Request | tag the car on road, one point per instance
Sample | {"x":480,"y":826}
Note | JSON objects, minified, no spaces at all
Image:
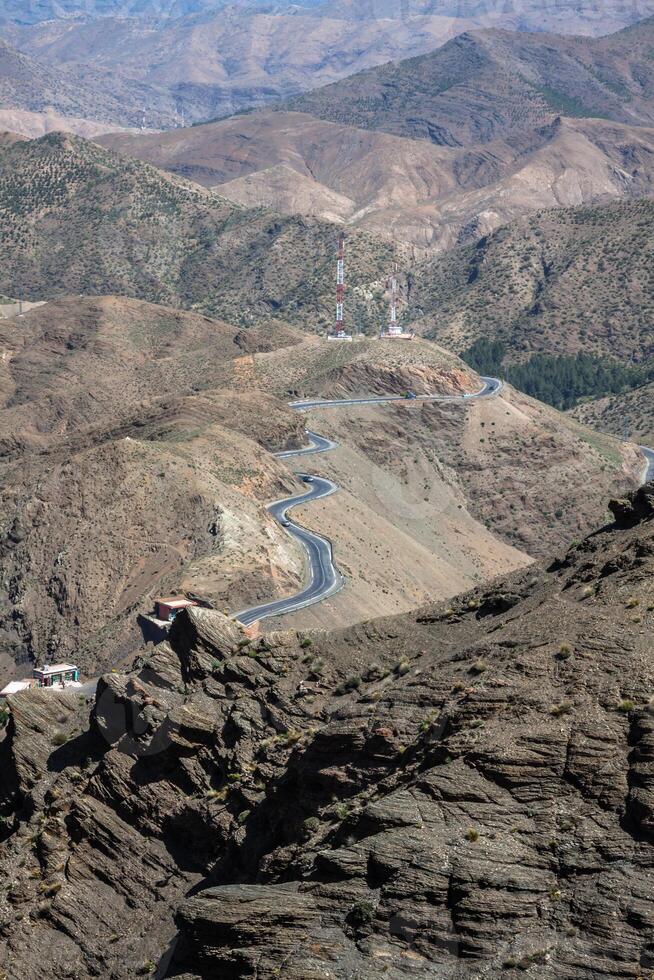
{"x":410,"y":396}
{"x":285,"y":522}
{"x":307,"y":479}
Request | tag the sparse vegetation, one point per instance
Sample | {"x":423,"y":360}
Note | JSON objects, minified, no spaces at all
{"x":349,"y":684}
{"x":563,"y":708}
{"x":626,"y":706}
{"x":488,"y":290}
{"x":362,"y":914}
{"x":183,"y":237}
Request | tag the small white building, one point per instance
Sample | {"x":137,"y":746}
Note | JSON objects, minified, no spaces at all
{"x":56,"y":675}
{"x":53,"y":677}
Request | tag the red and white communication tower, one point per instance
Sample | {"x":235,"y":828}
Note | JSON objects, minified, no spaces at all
{"x":339,"y":327}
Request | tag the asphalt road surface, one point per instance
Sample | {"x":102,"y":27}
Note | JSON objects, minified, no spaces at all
{"x":649,"y":456}
{"x":324,"y":578}
{"x":491,"y":387}
{"x":317,"y":444}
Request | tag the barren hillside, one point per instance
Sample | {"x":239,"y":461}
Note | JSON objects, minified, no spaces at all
{"x":435,"y":481}
{"x":440,"y":484}
{"x":136,"y":458}
{"x":485,"y":84}
{"x":78,"y":96}
{"x":413,"y":191}
{"x":125,"y":470}
{"x":197,"y":61}
{"x":628,"y":415}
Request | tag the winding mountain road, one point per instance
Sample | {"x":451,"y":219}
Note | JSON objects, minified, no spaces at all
{"x":324,"y":578}
{"x":491,"y":387}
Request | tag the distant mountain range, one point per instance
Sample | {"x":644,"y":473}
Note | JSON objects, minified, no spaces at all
{"x":434,"y":153}
{"x":167,"y":63}
{"x":486,"y":84}
{"x":439,"y":150}
{"x":37,"y":11}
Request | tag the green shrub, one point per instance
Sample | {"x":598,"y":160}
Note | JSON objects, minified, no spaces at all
{"x":626,"y":706}
{"x":362,"y":914}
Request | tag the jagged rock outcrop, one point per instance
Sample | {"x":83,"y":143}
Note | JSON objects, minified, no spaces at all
{"x":463,"y":792}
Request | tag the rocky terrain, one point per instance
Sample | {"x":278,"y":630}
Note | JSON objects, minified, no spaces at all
{"x":465,"y":789}
{"x":126,"y":470}
{"x":136,"y":458}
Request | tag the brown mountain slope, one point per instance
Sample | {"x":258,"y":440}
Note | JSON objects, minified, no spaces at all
{"x":124,"y":470}
{"x":463,"y":790}
{"x":414,"y":191}
{"x":423,"y":485}
{"x":216,"y":63}
{"x":74,"y":94}
{"x":66,"y":362}
{"x":203,"y":62}
{"x":199,"y":61}
{"x":485,"y":84}
{"x":629,"y":415}
{"x":75,"y":218}
{"x":559,"y":281}
{"x":136,"y":458}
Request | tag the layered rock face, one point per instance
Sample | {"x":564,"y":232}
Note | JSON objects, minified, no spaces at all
{"x":463,"y":792}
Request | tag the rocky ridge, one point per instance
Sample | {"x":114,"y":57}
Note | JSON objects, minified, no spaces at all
{"x":465,"y":790}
